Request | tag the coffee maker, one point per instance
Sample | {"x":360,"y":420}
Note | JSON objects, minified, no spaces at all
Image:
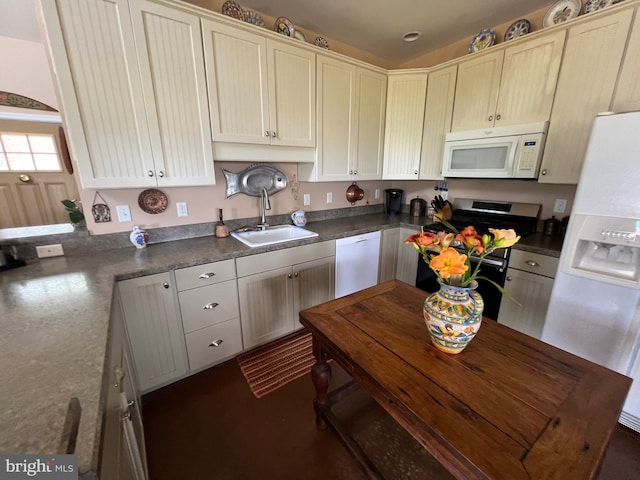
{"x":393,"y":200}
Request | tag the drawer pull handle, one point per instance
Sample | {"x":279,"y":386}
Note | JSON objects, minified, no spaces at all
{"x":207,"y":275}
{"x":165,"y":285}
{"x":216,"y":343}
{"x":210,"y":306}
{"x":509,"y":278}
{"x":532,"y":263}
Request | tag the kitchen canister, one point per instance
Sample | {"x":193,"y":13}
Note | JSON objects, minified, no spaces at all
{"x":417,"y":207}
{"x":139,"y":237}
{"x":551,"y":226}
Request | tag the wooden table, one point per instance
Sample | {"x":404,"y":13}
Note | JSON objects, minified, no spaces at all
{"x":508,"y":406}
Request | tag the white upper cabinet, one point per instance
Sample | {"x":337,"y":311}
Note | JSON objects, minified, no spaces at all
{"x":123,"y":78}
{"x":351,"y":108}
{"x":261,"y":91}
{"x":508,"y":87}
{"x":585,"y":87}
{"x":627,"y":96}
{"x":438,"y":113}
{"x":406,"y":93}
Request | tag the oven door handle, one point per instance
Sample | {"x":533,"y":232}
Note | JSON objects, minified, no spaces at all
{"x":500,"y":264}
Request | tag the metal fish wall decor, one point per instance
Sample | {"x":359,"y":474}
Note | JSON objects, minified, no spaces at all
{"x":253,"y":180}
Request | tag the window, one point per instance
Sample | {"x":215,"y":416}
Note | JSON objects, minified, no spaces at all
{"x":29,"y":152}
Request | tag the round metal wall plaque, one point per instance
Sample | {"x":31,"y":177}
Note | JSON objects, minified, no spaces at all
{"x":153,"y":201}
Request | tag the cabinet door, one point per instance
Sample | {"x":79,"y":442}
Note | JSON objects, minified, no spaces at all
{"x":313,"y":284}
{"x":336,"y":119}
{"x":438,"y":113}
{"x":371,"y":101}
{"x":592,"y":55}
{"x":528,"y":84}
{"x":155,"y":329}
{"x":477,"y":91}
{"x":236,"y":65}
{"x":407,"y":268}
{"x":93,"y":52}
{"x":533,"y":292}
{"x":266,"y":306}
{"x":627,"y":96}
{"x":406,"y":95}
{"x":169,"y":45}
{"x":292,"y":95}
{"x":389,"y":246}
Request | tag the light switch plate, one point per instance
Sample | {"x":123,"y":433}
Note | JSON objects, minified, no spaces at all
{"x":307,"y":199}
{"x":376,"y":194}
{"x":560,"y":205}
{"x":124,"y":214}
{"x":181,"y":207}
{"x":54,"y":250}
{"x":329,"y":197}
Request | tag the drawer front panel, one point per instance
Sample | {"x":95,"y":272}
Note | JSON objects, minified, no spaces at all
{"x":534,"y":263}
{"x":206,"y":274}
{"x":206,"y":306}
{"x":201,"y":344}
{"x":263,"y":262}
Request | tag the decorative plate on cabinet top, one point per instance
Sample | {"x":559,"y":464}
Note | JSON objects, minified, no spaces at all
{"x":283,"y":26}
{"x":482,"y":40}
{"x":153,"y":201}
{"x":232,"y":9}
{"x":593,"y":5}
{"x":253,"y":18}
{"x":300,"y":36}
{"x":517,"y":29}
{"x":561,"y":11}
{"x":321,"y":42}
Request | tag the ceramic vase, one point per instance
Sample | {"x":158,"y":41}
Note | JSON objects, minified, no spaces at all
{"x":453,"y":316}
{"x":139,"y":237}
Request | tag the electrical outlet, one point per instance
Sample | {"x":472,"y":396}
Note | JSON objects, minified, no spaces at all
{"x":54,"y":250}
{"x":376,"y":194}
{"x":560,"y":205}
{"x":124,"y":214}
{"x":329,"y":197}
{"x":307,"y":199}
{"x":182,"y":209}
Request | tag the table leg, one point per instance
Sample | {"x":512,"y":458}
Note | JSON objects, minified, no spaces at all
{"x":321,"y":376}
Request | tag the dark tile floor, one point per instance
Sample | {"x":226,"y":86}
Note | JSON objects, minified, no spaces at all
{"x":210,"y":426}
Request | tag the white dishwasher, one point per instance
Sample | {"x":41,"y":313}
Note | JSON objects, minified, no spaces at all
{"x":357,"y":260}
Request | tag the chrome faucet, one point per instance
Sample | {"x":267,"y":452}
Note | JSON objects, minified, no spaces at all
{"x":264,"y":205}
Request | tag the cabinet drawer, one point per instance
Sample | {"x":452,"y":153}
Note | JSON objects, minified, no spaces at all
{"x":200,"y":344}
{"x":206,"y":274}
{"x":534,"y":263}
{"x":263,"y":262}
{"x":205,"y":306}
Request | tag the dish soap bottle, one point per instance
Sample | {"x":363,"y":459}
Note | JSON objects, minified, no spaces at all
{"x":221,"y":229}
{"x":139,"y":237}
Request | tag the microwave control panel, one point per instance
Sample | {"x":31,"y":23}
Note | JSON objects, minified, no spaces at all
{"x":529,"y":154}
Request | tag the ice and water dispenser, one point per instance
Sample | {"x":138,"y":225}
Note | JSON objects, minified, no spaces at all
{"x":605,"y":249}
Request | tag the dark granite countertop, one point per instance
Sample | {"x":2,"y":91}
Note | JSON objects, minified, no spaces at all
{"x":54,"y":316}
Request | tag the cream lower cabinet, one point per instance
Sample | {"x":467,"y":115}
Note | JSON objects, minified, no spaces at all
{"x":586,"y":85}
{"x":529,"y":281}
{"x":130,"y":76}
{"x":154,"y":327}
{"x":407,"y":264}
{"x":389,"y":246}
{"x":122,"y":452}
{"x":208,"y":297}
{"x":351,"y":113}
{"x":274,"y":286}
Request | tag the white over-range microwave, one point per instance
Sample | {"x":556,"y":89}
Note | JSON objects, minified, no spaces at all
{"x":501,"y":152}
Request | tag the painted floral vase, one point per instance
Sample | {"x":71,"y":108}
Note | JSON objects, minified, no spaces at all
{"x":453,"y":316}
{"x":139,"y":237}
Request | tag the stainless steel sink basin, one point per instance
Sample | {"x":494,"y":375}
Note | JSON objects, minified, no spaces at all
{"x":277,"y":234}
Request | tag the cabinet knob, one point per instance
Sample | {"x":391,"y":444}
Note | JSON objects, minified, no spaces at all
{"x":150,"y":173}
{"x":207,"y":275}
{"x":216,"y":343}
{"x":532,"y":263}
{"x":289,"y":275}
{"x":161,"y":174}
{"x":543,"y":172}
{"x":273,"y":134}
{"x":415,"y":172}
{"x":266,"y":133}
{"x":355,"y":172}
{"x":491,"y":118}
{"x":210,"y":306}
{"x":498,"y":117}
{"x":350,"y":172}
{"x":165,"y":285}
{"x":509,"y":278}
{"x":295,"y":274}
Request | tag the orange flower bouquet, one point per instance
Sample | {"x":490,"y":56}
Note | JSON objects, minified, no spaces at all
{"x":452,"y":267}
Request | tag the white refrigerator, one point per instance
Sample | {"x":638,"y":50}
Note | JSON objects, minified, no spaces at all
{"x":594,"y":310}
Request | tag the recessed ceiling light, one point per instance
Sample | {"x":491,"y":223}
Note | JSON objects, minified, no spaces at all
{"x":411,"y":36}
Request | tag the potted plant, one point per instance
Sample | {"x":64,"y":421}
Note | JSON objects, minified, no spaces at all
{"x":76,"y":217}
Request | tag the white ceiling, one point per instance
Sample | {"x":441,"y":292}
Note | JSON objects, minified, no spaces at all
{"x":377,"y":26}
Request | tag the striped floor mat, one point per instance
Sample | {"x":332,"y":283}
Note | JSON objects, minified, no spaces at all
{"x":271,"y":366}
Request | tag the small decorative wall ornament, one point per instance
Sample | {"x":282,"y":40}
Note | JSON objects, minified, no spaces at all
{"x":9,"y":99}
{"x":253,"y":180}
{"x":100,"y":211}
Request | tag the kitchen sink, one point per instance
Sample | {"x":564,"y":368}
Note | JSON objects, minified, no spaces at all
{"x":277,"y":234}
